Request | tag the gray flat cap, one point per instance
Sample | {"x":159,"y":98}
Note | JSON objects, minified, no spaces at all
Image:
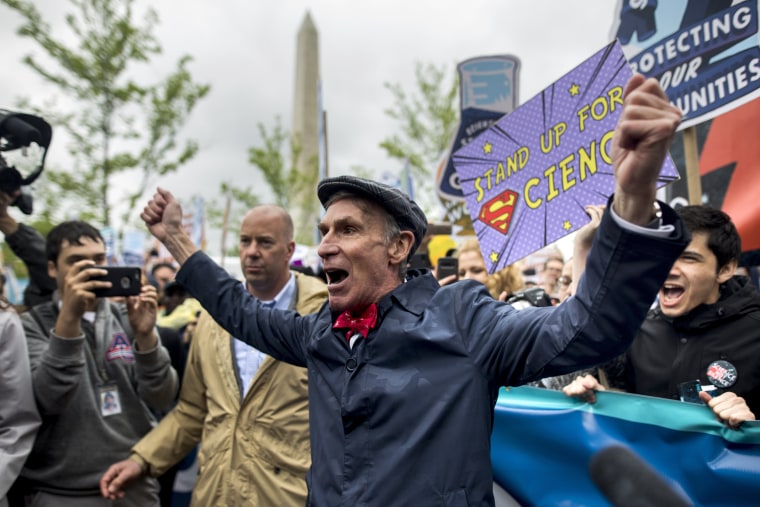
{"x":408,"y":215}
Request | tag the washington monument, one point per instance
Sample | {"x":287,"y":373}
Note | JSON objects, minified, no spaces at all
{"x":305,"y":129}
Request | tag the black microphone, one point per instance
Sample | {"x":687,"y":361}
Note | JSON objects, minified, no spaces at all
{"x":627,"y":481}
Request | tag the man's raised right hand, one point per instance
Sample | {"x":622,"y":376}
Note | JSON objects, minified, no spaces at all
{"x":163,"y":217}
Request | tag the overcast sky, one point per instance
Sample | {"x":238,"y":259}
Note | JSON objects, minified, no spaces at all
{"x":246,"y":51}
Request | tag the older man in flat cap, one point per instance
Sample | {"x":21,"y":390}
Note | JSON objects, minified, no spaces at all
{"x":403,"y":373}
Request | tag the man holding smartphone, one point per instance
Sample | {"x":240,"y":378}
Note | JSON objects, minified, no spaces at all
{"x":96,"y":368}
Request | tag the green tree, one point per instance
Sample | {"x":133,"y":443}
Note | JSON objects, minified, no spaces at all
{"x":227,"y":215}
{"x":427,"y":119}
{"x":116,"y":125}
{"x":281,"y":171}
{"x":269,"y":159}
{"x":9,"y":258}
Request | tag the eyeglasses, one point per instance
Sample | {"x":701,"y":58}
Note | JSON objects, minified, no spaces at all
{"x":564,"y":280}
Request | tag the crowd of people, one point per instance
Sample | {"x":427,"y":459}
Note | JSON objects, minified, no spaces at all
{"x":301,"y":390}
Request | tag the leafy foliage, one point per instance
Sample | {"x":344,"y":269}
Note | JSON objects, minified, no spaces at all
{"x":279,"y":170}
{"x":116,"y":125}
{"x":282,"y":176}
{"x":427,"y":119}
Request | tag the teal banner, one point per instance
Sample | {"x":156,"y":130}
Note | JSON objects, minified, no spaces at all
{"x":543,"y":441}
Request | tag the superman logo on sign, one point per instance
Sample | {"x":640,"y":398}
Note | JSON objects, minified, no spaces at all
{"x":497,"y":213}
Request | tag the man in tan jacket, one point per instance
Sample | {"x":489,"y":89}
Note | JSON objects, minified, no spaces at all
{"x":248,"y":411}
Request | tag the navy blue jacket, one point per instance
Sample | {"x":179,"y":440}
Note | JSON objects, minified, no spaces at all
{"x":405,"y":417}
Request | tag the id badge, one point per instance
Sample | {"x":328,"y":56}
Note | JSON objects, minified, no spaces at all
{"x":110,"y":403}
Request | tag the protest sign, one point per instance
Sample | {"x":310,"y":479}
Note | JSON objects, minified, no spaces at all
{"x":705,"y":54}
{"x":527,"y":179}
{"x":487,"y":91}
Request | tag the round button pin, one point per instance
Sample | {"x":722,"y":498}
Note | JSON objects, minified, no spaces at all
{"x":722,"y":374}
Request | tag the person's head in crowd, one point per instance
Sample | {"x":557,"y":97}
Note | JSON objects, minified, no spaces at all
{"x":174,"y":295}
{"x":552,"y":271}
{"x":565,"y":281}
{"x":369,"y":232}
{"x":471,"y":263}
{"x":150,"y":259}
{"x":741,"y":271}
{"x":506,"y":282}
{"x":501,"y":284}
{"x":266,"y":247}
{"x":709,"y":261}
{"x":70,"y":242}
{"x":189,"y":329}
{"x":162,"y":274}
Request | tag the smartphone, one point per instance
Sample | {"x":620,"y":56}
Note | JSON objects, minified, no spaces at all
{"x":689,"y":392}
{"x":125,"y":281}
{"x":447,"y":266}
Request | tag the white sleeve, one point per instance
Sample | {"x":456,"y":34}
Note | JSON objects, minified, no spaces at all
{"x":655,"y":229}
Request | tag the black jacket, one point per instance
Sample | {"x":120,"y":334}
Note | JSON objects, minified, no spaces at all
{"x":726,"y":334}
{"x":29,"y":246}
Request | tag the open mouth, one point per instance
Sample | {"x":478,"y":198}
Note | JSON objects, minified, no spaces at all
{"x":335,"y":276}
{"x":671,"y":292}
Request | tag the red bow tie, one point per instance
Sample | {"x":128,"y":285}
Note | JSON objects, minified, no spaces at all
{"x":361,"y":324}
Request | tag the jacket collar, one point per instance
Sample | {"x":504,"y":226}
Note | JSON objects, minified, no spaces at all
{"x":413,"y":295}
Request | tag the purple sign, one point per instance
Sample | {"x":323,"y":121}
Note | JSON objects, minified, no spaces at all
{"x":527,"y":179}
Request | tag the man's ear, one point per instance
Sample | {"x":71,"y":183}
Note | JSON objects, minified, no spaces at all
{"x":291,"y":250}
{"x":400,"y":249}
{"x":727,"y":270}
{"x":52,"y":270}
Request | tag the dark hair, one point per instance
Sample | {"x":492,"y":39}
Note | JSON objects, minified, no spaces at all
{"x":160,"y":265}
{"x":722,"y":237}
{"x":71,"y":231}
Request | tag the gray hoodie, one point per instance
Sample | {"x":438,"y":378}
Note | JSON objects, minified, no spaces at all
{"x":79,"y":438}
